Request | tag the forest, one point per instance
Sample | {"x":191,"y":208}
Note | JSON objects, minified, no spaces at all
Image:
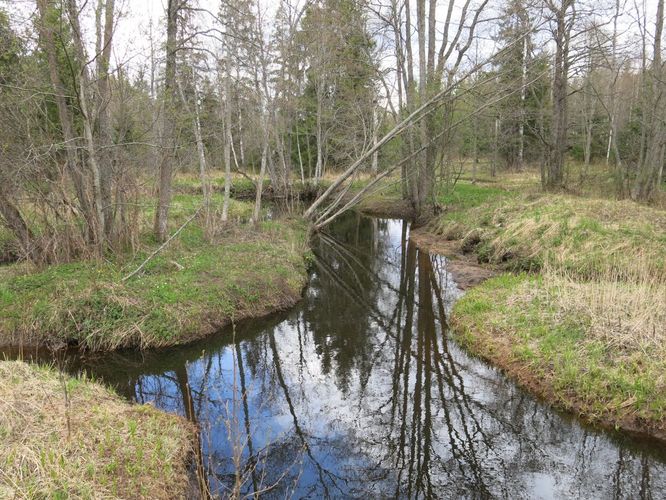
{"x":210,"y":210}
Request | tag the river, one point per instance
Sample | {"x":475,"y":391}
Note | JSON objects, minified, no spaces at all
{"x":358,"y":391}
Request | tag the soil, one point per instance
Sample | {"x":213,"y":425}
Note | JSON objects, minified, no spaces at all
{"x":467,"y":272}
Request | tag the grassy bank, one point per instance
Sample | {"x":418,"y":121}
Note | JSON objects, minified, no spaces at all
{"x":587,"y":327}
{"x":584,"y":236}
{"x":189,"y":290}
{"x":91,"y":444}
{"x":557,"y":339}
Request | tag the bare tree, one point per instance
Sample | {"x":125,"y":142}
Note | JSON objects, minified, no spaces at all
{"x":563,"y":17}
{"x":168,"y":118}
{"x":651,"y":167}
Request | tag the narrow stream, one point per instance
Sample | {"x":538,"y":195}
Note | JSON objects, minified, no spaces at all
{"x":359,"y":392}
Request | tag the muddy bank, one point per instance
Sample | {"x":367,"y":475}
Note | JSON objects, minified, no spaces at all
{"x":463,"y":266}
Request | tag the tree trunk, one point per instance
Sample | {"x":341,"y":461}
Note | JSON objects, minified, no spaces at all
{"x":320,"y":156}
{"x":47,"y":42}
{"x":201,"y":150}
{"x":16,"y":224}
{"x":493,"y":169}
{"x":422,"y":175}
{"x":168,"y":126}
{"x":375,"y":133}
{"x":227,"y":137}
{"x":523,"y":92}
{"x":558,"y":145}
{"x":88,"y":125}
{"x":649,"y":170}
{"x":104,"y":118}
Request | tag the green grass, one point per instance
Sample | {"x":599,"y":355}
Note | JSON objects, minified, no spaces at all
{"x":465,"y":195}
{"x":583,"y":236}
{"x":454,"y":201}
{"x":514,"y":321}
{"x":187,"y":291}
{"x":6,"y":244}
{"x":95,"y":445}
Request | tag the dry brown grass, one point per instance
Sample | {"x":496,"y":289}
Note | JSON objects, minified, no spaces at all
{"x":582,"y":236}
{"x":64,"y":437}
{"x":627,"y":316}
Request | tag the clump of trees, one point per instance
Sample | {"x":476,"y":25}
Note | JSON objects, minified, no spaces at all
{"x":307,"y":90}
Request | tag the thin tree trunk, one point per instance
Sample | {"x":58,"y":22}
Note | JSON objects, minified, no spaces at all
{"x":47,"y":41}
{"x":227,"y":139}
{"x":88,"y":125}
{"x":260,"y":181}
{"x":198,"y":138}
{"x":375,"y":130}
{"x":523,"y":92}
{"x":300,"y":156}
{"x":422,"y":182}
{"x":410,"y":91}
{"x":168,"y":126}
{"x":104,"y":116}
{"x":319,"y":138}
{"x":201,"y":150}
{"x":493,"y":170}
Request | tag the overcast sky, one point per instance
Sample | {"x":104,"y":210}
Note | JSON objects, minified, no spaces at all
{"x":132,"y":41}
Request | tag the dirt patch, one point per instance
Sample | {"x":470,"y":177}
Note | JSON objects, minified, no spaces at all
{"x":391,"y":208}
{"x":464,"y":268}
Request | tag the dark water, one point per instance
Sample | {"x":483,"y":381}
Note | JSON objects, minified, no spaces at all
{"x":359,"y":392}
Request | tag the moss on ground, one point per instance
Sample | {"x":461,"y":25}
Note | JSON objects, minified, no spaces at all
{"x":91,"y":444}
{"x":521,"y":323}
{"x":187,"y":291}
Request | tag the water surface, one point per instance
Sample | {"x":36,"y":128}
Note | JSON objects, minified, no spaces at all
{"x":358,"y":391}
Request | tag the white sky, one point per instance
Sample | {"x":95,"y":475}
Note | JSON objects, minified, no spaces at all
{"x":132,"y":40}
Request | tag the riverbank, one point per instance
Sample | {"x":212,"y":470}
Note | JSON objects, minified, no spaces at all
{"x":579,"y":315}
{"x":189,"y":290}
{"x":566,"y":342}
{"x":71,"y":437}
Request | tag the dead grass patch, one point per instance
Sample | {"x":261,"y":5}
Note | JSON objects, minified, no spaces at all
{"x":65,"y":437}
{"x":626,"y":316}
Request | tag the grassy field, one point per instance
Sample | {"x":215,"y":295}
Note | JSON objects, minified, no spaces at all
{"x":189,"y":290}
{"x":64,"y":437}
{"x":583,"y":319}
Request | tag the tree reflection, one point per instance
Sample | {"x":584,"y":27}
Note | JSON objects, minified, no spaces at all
{"x":359,"y":392}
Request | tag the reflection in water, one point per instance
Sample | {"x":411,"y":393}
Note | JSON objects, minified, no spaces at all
{"x":359,"y":392}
